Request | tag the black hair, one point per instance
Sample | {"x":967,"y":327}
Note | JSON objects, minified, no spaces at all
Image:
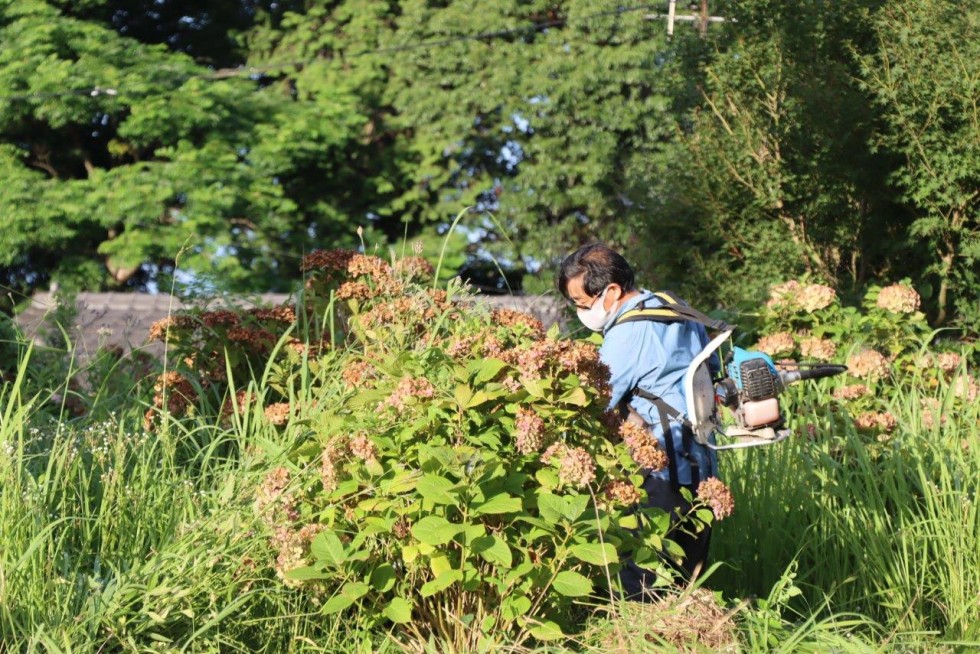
{"x":601,"y":266}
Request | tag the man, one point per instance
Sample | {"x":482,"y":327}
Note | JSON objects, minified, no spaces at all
{"x":647,"y":362}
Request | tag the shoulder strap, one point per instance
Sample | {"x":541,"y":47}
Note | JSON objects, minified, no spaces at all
{"x":671,"y":310}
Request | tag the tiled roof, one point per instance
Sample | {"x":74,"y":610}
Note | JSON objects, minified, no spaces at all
{"x":124,"y":319}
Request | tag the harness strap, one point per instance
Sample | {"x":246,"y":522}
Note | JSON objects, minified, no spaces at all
{"x":672,"y":310}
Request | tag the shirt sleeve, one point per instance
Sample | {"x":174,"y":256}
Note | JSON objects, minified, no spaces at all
{"x":630,"y":357}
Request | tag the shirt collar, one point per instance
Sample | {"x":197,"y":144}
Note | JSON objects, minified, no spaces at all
{"x":628,"y":305}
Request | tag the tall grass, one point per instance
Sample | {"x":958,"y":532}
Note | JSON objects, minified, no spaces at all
{"x":116,"y":539}
{"x":887,"y":528}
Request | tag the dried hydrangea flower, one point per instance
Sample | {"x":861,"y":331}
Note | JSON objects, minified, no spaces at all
{"x":898,"y":298}
{"x":362,"y":448}
{"x":948,"y":361}
{"x":965,"y":387}
{"x":408,"y":388}
{"x":821,"y":349}
{"x":623,"y":492}
{"x":851,"y":392}
{"x":713,"y":492}
{"x":784,"y":295}
{"x":327,"y":260}
{"x":778,"y":343}
{"x":868,"y":364}
{"x":529,"y":435}
{"x":517,"y":320}
{"x":161,"y":329}
{"x":643,"y":446}
{"x":815,"y":297}
{"x":278,"y":413}
{"x":553,"y":451}
{"x":576,"y":467}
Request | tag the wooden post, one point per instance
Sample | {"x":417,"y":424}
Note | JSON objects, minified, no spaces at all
{"x":704,"y":18}
{"x":671,"y":9}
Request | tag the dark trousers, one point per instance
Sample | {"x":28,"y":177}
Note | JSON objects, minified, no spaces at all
{"x":638,"y":582}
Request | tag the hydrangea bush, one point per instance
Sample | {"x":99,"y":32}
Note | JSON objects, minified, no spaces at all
{"x":885,"y":342}
{"x":453,"y":473}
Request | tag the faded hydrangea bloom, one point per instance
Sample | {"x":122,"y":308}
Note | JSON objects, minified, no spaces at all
{"x":851,"y":392}
{"x":873,"y":420}
{"x":576,"y":467}
{"x":713,"y":492}
{"x":529,"y":433}
{"x":821,"y":349}
{"x":278,"y":413}
{"x":784,"y":295}
{"x":778,"y":343}
{"x":814,"y":297}
{"x":643,"y":446}
{"x":898,"y":298}
{"x":868,"y":364}
{"x":623,"y":492}
{"x":362,"y":448}
{"x":408,"y":388}
{"x":965,"y":387}
{"x":948,"y":361}
{"x":517,"y":319}
{"x":554,"y":451}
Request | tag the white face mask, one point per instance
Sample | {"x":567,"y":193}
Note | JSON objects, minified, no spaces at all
{"x":596,"y":317}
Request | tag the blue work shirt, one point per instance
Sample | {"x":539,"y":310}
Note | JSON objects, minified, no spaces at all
{"x":655,"y":356}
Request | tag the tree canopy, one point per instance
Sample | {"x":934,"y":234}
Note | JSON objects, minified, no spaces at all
{"x":229,"y":139}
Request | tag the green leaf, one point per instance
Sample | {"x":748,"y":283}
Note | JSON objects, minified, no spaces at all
{"x":494,"y":550}
{"x":575,"y":506}
{"x":383,"y":577}
{"x":355,"y":590}
{"x":337,"y":603}
{"x":435,"y":530}
{"x":572,"y":584}
{"x":327,"y":548}
{"x":595,"y":553}
{"x":306,"y":573}
{"x":575,"y":396}
{"x":486,"y":369}
{"x":500,"y":503}
{"x":399,"y":611}
{"x":441,"y":583}
{"x":437,"y":489}
{"x":514,"y":606}
{"x":547,"y":630}
{"x":551,"y":507}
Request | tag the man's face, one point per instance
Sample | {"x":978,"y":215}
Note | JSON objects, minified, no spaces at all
{"x":582,"y":300}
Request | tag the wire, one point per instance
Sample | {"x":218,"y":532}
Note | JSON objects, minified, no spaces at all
{"x":226,"y":73}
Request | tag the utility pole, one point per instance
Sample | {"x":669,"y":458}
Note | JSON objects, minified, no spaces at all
{"x":702,"y":18}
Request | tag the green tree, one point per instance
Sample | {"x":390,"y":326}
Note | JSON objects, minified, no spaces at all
{"x":925,"y":79}
{"x":773,"y":177}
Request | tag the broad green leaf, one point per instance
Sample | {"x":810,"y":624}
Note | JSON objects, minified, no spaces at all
{"x":494,"y":550}
{"x":514,"y":606}
{"x":572,"y":584}
{"x":439,"y":564}
{"x":437,"y":489}
{"x":383,"y":577}
{"x":486,"y":369}
{"x":575,"y":396}
{"x":547,"y":630}
{"x":435,"y":530}
{"x":327,"y":548}
{"x":575,"y":506}
{"x":306,"y":573}
{"x":551,"y":507}
{"x":501,"y":503}
{"x":463,"y":395}
{"x":595,"y":553}
{"x":337,"y":603}
{"x":478,"y":398}
{"x":441,"y":583}
{"x":399,"y":611}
